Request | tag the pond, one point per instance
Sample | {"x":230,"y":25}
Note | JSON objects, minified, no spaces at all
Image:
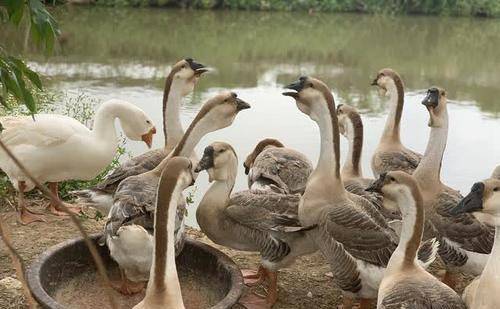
{"x":126,"y":53}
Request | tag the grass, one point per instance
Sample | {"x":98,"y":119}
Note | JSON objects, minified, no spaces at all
{"x":82,"y":108}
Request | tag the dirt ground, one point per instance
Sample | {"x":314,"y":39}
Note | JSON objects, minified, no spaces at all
{"x":304,"y":285}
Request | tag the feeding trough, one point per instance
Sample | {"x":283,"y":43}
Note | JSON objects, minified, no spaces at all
{"x":65,"y":277}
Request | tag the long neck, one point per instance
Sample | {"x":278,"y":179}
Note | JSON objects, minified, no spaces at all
{"x":328,"y":163}
{"x":429,"y":170}
{"x":164,"y":283}
{"x":412,"y":213}
{"x":489,"y":284}
{"x":352,"y":165}
{"x":396,"y":102}
{"x":197,"y":129}
{"x":104,"y":122}
{"x":172,"y":127}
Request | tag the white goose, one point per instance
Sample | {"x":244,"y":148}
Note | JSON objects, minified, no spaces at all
{"x":484,"y":202}
{"x":56,"y":148}
{"x":353,"y":236}
{"x":164,"y":290}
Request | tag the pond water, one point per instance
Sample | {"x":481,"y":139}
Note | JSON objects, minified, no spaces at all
{"x":126,"y":53}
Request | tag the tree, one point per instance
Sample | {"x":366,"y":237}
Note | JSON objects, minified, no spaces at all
{"x":15,"y":75}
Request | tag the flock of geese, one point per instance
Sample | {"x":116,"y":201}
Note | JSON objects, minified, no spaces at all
{"x":378,"y":235}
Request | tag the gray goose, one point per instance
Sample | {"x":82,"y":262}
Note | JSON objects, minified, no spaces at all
{"x":352,"y":235}
{"x":272,"y":166}
{"x":164,"y":289}
{"x":250,"y":220}
{"x":391,"y":154}
{"x":133,"y":208}
{"x":406,"y":284}
{"x":465,"y":242}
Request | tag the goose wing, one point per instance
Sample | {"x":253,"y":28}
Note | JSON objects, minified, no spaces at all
{"x":420,"y":295}
{"x":359,"y":234}
{"x":135,"y":166}
{"x":464,"y":229}
{"x":405,"y":160}
{"x":134,"y":202}
{"x":265,"y":211}
{"x":45,"y":131}
{"x":286,"y":168}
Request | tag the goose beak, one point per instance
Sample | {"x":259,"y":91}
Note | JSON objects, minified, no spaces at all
{"x":374,"y":82}
{"x":297,"y":86}
{"x":377,"y":185}
{"x":431,"y":100}
{"x":148,"y":137}
{"x":247,"y":169}
{"x":207,"y":161}
{"x":241,"y":105}
{"x":197,"y":67}
{"x":472,"y":202}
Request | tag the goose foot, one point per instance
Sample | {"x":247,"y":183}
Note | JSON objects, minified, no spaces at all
{"x":254,"y":301}
{"x":54,"y":209}
{"x":365,"y":303}
{"x":347,"y":303}
{"x":26,"y":217}
{"x":252,"y":277}
{"x":127,"y":287}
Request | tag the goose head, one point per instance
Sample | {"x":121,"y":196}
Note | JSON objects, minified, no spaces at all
{"x":348,"y":117}
{"x":483,"y":200}
{"x":386,"y":81}
{"x":180,"y":168}
{"x":263,"y":144}
{"x":435,"y":102}
{"x":185,"y":74}
{"x":308,"y":92}
{"x":397,"y":188}
{"x":220,"y":111}
{"x":219,"y":160}
{"x":135,"y":123}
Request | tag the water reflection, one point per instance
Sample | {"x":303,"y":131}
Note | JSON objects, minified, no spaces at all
{"x":126,"y":53}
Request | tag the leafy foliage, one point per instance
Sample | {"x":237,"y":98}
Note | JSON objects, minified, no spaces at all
{"x":13,"y":71}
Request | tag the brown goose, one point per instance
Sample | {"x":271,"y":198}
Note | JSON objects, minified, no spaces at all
{"x":406,"y":284}
{"x":133,"y":207}
{"x":465,"y":242}
{"x":484,"y":202}
{"x":391,"y":154}
{"x":250,"y":220}
{"x":352,"y":235}
{"x":163,"y":289}
{"x":272,"y":166}
{"x":179,"y":83}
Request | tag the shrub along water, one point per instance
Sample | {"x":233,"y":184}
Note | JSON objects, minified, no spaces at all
{"x":483,"y":8}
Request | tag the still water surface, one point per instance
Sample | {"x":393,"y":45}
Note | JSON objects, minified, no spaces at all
{"x":126,"y":53}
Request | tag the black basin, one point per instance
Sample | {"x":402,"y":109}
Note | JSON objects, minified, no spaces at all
{"x":60,"y":263}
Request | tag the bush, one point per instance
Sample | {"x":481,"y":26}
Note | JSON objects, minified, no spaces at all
{"x":485,"y":8}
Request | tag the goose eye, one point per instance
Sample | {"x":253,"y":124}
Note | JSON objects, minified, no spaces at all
{"x":190,"y":167}
{"x":392,"y":178}
{"x":222,"y":150}
{"x":148,"y":122}
{"x":311,"y":85}
{"x":183,"y":66}
{"x":496,"y":189}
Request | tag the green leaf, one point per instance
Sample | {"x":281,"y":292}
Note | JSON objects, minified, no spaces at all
{"x":34,"y":78}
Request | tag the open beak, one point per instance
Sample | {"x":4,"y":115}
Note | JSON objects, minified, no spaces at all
{"x":431,"y":100}
{"x":297,"y":86}
{"x":148,"y":137}
{"x":377,"y":185}
{"x":197,"y":67}
{"x":472,"y":202}
{"x":241,"y":105}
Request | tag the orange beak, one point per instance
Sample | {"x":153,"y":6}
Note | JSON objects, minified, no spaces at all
{"x":148,"y":137}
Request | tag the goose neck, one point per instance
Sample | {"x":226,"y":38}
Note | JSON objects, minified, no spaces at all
{"x":352,"y":165}
{"x":396,"y":102}
{"x":104,"y":121}
{"x":428,"y":172}
{"x":172,"y":126}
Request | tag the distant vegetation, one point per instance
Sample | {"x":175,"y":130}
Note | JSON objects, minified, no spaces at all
{"x":483,"y":8}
